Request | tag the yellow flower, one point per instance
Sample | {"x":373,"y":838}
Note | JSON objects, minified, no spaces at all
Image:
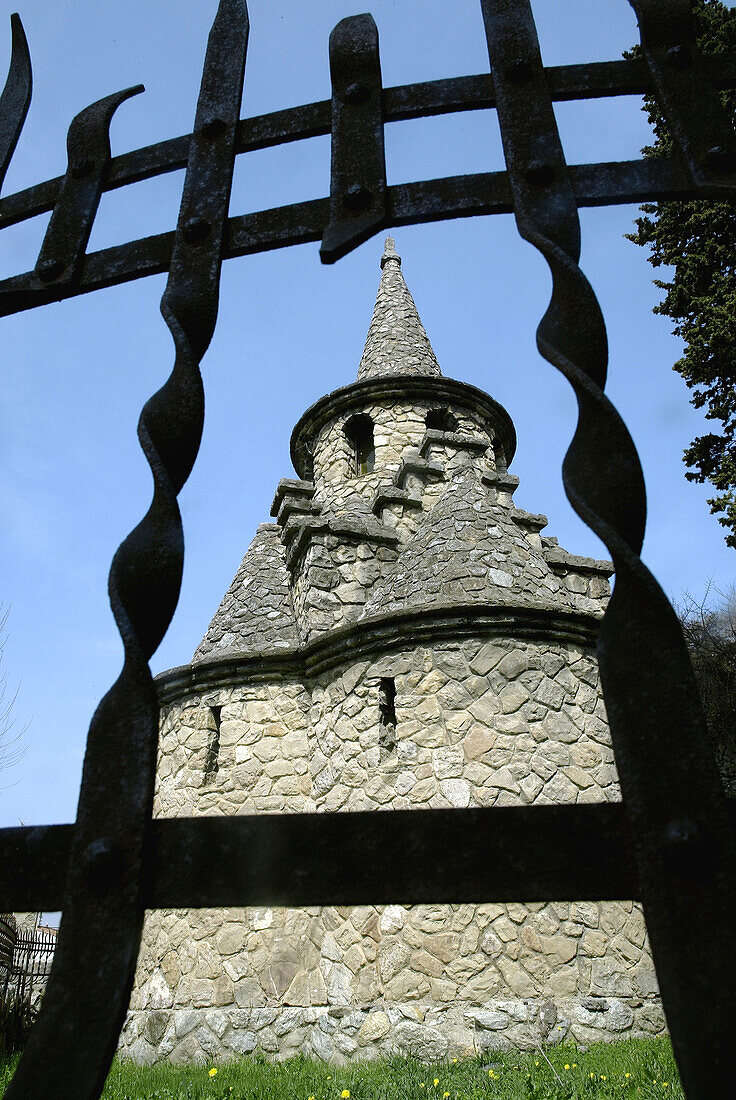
{"x":536,"y":1063}
{"x":603,"y":1078}
{"x":454,"y":1059}
{"x":213,"y":1071}
{"x":310,"y":1098}
{"x":567,"y":1065}
{"x":627,"y":1075}
{"x":345,"y":1093}
{"x":436,"y":1080}
{"x":445,"y":1095}
{"x":574,"y":1065}
{"x":592,"y":1075}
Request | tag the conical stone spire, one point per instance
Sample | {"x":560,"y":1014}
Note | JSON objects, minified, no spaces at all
{"x":396,"y":341}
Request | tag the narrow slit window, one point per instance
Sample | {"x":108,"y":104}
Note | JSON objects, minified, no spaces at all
{"x":212,"y":762}
{"x":359,"y":432}
{"x":387,"y":712}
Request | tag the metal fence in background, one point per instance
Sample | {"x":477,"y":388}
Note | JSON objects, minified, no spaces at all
{"x":671,"y":842}
{"x":8,"y":936}
{"x":26,"y":956}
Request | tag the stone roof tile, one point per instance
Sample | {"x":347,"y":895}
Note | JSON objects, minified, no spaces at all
{"x":468,"y":550}
{"x":256,"y":613}
{"x":396,"y":341}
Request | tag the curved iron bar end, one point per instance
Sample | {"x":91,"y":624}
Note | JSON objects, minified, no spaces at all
{"x":16,"y":97}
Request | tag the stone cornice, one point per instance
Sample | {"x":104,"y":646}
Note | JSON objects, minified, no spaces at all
{"x":379,"y":635}
{"x":397,"y":388}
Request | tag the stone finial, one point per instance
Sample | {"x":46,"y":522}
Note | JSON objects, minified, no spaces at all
{"x":390,"y":253}
{"x":396,"y":341}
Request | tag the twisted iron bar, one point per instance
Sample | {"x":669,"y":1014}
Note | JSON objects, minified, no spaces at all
{"x":89,"y":988}
{"x":682,"y":840}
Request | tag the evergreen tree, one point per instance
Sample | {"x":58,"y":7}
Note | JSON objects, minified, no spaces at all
{"x":710,"y":633}
{"x":698,"y":239}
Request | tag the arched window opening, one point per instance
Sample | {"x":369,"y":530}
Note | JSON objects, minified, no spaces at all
{"x":359,"y":432}
{"x":441,"y":420}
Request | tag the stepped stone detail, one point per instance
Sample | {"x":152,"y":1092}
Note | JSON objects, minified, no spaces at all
{"x":401,"y":637}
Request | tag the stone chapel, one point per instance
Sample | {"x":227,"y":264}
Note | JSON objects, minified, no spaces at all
{"x":402,"y":635}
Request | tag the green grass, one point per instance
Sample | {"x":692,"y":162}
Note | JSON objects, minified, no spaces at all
{"x":634,"y":1068}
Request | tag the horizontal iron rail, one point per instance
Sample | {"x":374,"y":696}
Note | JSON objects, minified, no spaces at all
{"x":449,"y":96}
{"x":603,"y":184}
{"x":492,"y":854}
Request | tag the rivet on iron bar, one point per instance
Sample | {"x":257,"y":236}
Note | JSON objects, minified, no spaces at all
{"x":214,"y":127}
{"x":357,"y":93}
{"x":81,"y":168}
{"x":197,"y":230}
{"x":357,"y":197}
{"x":519,"y":71}
{"x":687,"y":855}
{"x":49,"y":270}
{"x":679,"y":57}
{"x":539,"y":173}
{"x":104,"y":863}
{"x":719,"y":159}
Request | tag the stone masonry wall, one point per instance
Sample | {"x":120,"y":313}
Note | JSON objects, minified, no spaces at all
{"x":486,"y":721}
{"x":335,"y":577}
{"x":398,"y":427}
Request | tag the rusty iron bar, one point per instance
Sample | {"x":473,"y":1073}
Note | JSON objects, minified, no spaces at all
{"x":488,"y":854}
{"x":695,"y":114}
{"x":88,"y":157}
{"x":407,"y":204}
{"x":16,"y":97}
{"x":682,"y":838}
{"x":358,"y":169}
{"x":467,"y":93}
{"x":87,"y":994}
{"x":484,"y":854}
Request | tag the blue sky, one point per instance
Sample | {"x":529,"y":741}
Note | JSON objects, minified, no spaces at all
{"x":76,"y":374}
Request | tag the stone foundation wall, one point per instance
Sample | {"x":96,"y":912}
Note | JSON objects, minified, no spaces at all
{"x":432,"y":981}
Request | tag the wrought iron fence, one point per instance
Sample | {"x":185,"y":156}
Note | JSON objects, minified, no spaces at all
{"x":25,"y":959}
{"x":8,"y":936}
{"x":671,"y":841}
